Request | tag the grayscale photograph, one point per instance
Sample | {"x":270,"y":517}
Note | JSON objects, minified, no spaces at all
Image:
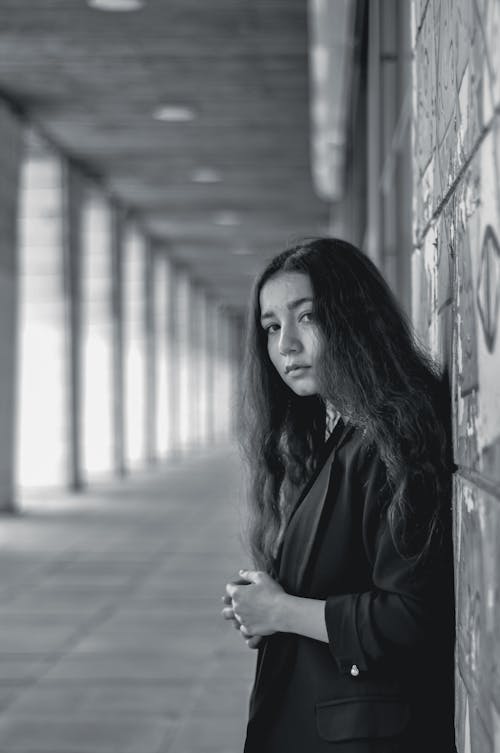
{"x":249,"y":376}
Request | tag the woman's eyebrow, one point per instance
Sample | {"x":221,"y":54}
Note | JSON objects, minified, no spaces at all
{"x":291,"y":305}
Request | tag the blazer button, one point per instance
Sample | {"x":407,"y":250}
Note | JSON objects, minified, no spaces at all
{"x":354,"y":671}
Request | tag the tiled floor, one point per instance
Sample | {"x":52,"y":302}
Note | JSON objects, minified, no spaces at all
{"x":111,"y":639}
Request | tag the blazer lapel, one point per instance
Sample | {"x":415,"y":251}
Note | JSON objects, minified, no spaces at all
{"x":293,"y":569}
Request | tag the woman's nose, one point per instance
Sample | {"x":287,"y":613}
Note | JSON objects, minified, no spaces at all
{"x":288,"y":342}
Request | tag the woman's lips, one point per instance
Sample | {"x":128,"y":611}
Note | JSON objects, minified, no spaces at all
{"x":295,"y":370}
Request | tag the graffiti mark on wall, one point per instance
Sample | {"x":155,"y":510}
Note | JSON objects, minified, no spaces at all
{"x":466,"y":319}
{"x":488,"y":286}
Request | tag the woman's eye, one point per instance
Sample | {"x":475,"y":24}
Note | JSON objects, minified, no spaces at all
{"x":272,"y":328}
{"x":307,"y":316}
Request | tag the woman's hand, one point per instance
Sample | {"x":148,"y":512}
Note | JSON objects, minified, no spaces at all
{"x":256,"y":604}
{"x":252,"y":641}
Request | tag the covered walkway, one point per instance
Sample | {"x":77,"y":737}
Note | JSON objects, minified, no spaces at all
{"x":111,"y":639}
{"x":155,"y":155}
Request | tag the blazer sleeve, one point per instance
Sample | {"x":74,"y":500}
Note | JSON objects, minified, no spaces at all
{"x":391,"y":619}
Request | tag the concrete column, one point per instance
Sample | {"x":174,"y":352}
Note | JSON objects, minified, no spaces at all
{"x":404,"y":167}
{"x":183,"y":361}
{"x":173,"y":351}
{"x":231,"y":364}
{"x":222,"y":381}
{"x":348,"y":214}
{"x":218,"y":394}
{"x":97,"y":336}
{"x":151,"y":333}
{"x":395,"y":179}
{"x":161,"y":417}
{"x":135,"y":347}
{"x":228,"y":353}
{"x":73,"y":196}
{"x":237,"y":346}
{"x":210,"y":325}
{"x":197,"y":365}
{"x":388,"y":238}
{"x":10,"y":157}
{"x":388,"y":118}
{"x":203,"y":364}
{"x":373,"y":230}
{"x":43,"y":434}
{"x":117,"y":239}
{"x":193,"y":370}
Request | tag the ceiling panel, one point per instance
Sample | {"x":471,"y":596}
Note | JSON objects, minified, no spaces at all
{"x":92,"y":81}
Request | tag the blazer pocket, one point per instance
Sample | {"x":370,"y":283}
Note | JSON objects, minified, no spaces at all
{"x":362,"y":717}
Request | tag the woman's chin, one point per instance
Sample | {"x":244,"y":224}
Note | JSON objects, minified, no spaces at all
{"x":304,"y":390}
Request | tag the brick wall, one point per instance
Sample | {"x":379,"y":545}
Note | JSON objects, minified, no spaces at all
{"x":456,"y":309}
{"x":10,"y":148}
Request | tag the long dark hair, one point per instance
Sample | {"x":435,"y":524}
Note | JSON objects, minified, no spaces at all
{"x":377,"y":377}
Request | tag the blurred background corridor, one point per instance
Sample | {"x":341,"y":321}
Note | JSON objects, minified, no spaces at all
{"x":111,"y":637}
{"x":155,"y":153}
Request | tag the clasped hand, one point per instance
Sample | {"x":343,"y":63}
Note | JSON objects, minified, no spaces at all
{"x":252,"y":603}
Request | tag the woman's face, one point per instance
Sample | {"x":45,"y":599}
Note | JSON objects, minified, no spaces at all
{"x":293,"y":337}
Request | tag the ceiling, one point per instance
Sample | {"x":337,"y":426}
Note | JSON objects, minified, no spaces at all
{"x":91,"y":81}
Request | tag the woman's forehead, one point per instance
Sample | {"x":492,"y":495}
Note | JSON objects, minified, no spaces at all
{"x":285,"y":287}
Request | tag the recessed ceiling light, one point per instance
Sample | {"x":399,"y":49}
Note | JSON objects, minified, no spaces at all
{"x":205,"y":175}
{"x":226,"y":219}
{"x":118,"y":6}
{"x":174,"y":113}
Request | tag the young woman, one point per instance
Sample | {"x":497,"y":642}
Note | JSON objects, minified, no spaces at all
{"x":350,"y":600}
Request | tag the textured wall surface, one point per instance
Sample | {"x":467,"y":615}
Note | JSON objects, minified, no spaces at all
{"x":456,"y":308}
{"x":10,"y":149}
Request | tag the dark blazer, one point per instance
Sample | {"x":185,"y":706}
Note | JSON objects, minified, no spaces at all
{"x":384,"y":682}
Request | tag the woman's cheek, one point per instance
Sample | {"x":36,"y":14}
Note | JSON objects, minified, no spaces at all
{"x":316,"y":343}
{"x":273,"y":352}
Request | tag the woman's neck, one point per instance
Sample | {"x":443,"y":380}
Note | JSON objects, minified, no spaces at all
{"x":331,"y":418}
